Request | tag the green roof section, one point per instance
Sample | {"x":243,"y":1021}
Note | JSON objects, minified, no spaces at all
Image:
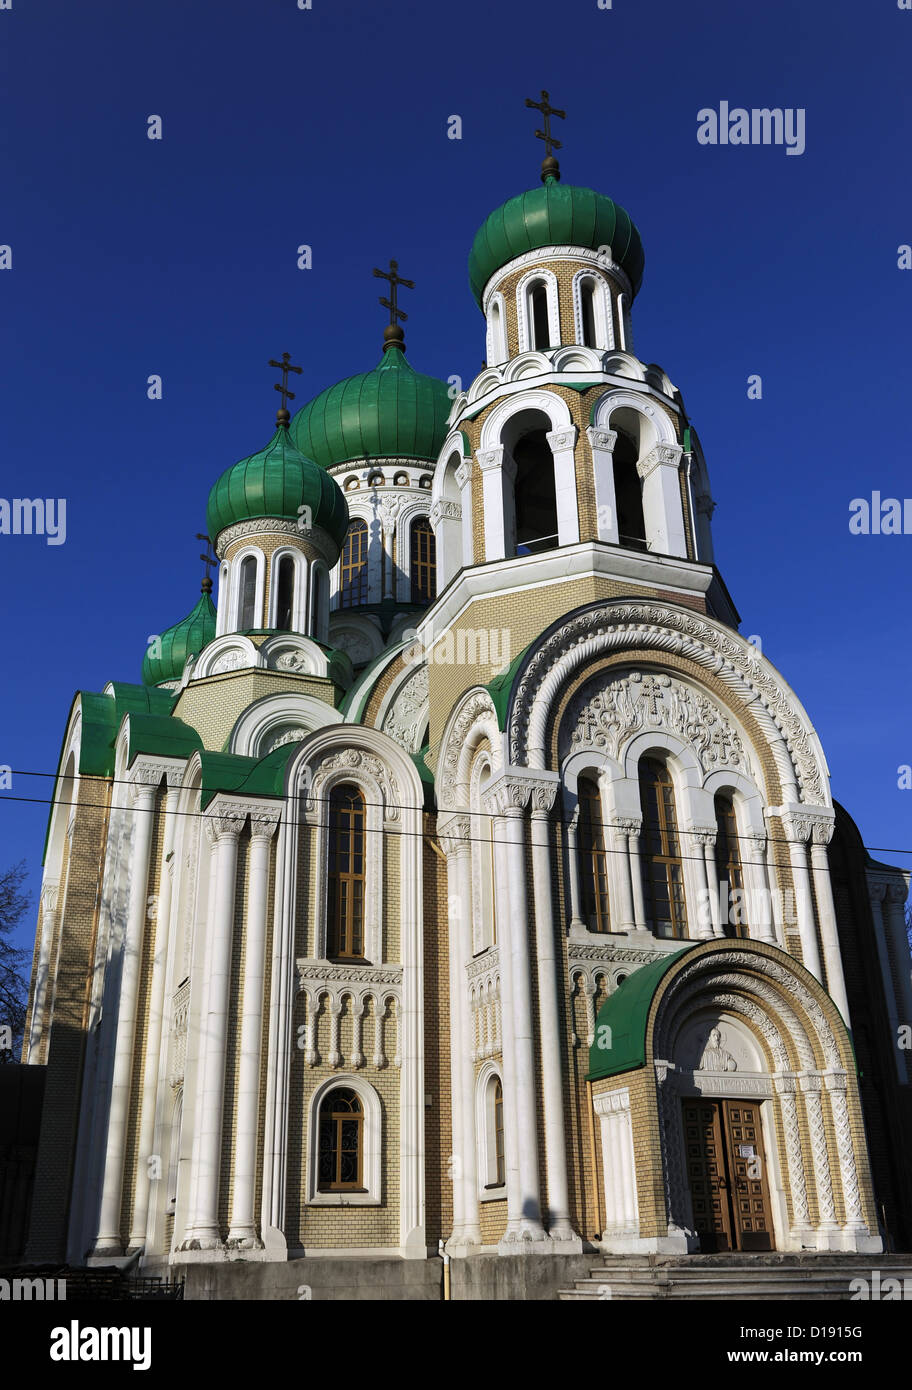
{"x":276,"y":482}
{"x":554,"y":214}
{"x":390,"y":412}
{"x":161,"y":736}
{"x":501,"y":687}
{"x":101,"y":718}
{"x":625,"y":1013}
{"x":166,"y":657}
{"x":231,"y":772}
{"x":356,"y":699}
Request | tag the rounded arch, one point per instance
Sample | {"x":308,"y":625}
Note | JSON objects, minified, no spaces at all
{"x":473,"y":718}
{"x":292,"y":599}
{"x":371,"y":1140}
{"x":246,"y":595}
{"x":277,"y":719}
{"x":593,"y":321}
{"x":547,"y":402}
{"x":537,"y":318}
{"x":233,"y":652}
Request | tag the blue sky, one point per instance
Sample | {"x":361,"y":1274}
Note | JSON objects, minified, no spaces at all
{"x":329,"y":127}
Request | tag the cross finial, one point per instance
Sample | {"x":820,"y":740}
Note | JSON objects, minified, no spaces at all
{"x":282,"y":415}
{"x":209,"y":561}
{"x":550,"y":167}
{"x":392,"y":334}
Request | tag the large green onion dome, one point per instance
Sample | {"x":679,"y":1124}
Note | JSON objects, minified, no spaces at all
{"x":391,"y":412}
{"x":277,"y":482}
{"x":165,"y":659}
{"x":556,"y":214}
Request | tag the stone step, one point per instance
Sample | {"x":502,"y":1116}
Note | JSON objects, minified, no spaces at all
{"x":715,"y":1278}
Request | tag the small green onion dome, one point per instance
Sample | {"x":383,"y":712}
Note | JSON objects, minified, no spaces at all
{"x":556,"y":214}
{"x":165,"y":658}
{"x":391,"y":412}
{"x":277,"y":482}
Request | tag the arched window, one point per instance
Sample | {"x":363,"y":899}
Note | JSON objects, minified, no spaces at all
{"x":660,"y":857}
{"x":628,"y":492}
{"x":340,"y":1157}
{"x":345,"y":903}
{"x":534,"y":491}
{"x":316,"y":603}
{"x":497,"y":349}
{"x":248,"y":582}
{"x":587,"y":313}
{"x":285,"y":586}
{"x":353,"y":566}
{"x":500,"y":1164}
{"x":538,"y":302}
{"x":729,"y":869}
{"x":592,"y":857}
{"x":424,"y":560}
{"x":492,"y":1163}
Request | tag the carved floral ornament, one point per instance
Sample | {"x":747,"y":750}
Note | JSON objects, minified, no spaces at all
{"x":478,"y":712}
{"x":360,"y":767}
{"x":608,"y":718}
{"x":657,"y":629}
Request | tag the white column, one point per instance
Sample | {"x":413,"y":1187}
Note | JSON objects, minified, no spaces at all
{"x":49,"y":894}
{"x":663,"y":510}
{"x":636,"y":876}
{"x":223,"y":827}
{"x":194,"y":1068}
{"x":826,"y":911}
{"x":498,"y":472}
{"x":455,"y":837}
{"x":622,"y":1222}
{"x":562,"y":443}
{"x":577,"y":925}
{"x":601,"y":443}
{"x":695,"y":841}
{"x":811,"y":1085}
{"x":760,"y":916}
{"x":506,"y":799}
{"x":718,"y":915}
{"x":855,"y":1226}
{"x":552,"y":1049}
{"x":161,"y":919}
{"x":142,"y":794}
{"x":798,"y":831}
{"x":464,"y":483}
{"x":619,"y":830}
{"x":243,"y":1232}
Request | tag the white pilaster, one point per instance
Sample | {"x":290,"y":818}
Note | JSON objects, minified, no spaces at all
{"x":562,"y":443}
{"x":601,"y":443}
{"x":663,"y":510}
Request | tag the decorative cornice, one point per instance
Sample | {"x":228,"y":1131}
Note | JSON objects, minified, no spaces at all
{"x":309,"y":973}
{"x":510,"y":791}
{"x":276,"y":526}
{"x":490,"y":458}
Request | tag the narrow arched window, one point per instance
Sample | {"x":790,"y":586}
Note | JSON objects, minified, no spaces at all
{"x":340,"y":1153}
{"x":498,"y":348}
{"x":660,"y":856}
{"x":424,"y":560}
{"x":285,"y":583}
{"x":500,"y":1162}
{"x":729,"y":869}
{"x":587,"y":312}
{"x":316,"y":603}
{"x":628,"y":493}
{"x":248,"y":583}
{"x":353,"y":566}
{"x":592,"y":857}
{"x":345,"y":887}
{"x":541,"y":332}
{"x":535,"y":494}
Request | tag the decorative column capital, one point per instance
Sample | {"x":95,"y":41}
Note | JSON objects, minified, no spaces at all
{"x":877,"y":890}
{"x":561,"y":439}
{"x":225,"y":821}
{"x":662,"y":456}
{"x":702,"y":835}
{"x":806,"y":825}
{"x":144,"y":779}
{"x":263,"y":824}
{"x":612,"y":1102}
{"x":488,"y":459}
{"x":896,"y":892}
{"x":463,"y":473}
{"x":511,"y":791}
{"x":455,"y":834}
{"x":604,"y":440}
{"x":443,"y":510}
{"x":49,"y":890}
{"x":626,"y":825}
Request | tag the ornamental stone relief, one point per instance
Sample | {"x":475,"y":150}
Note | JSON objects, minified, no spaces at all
{"x":406,"y":718}
{"x":279,"y":737}
{"x":607,"y":719}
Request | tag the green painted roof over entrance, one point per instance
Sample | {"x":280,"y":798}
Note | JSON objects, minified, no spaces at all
{"x":276,"y":482}
{"x":554,"y":214}
{"x":165,"y":660}
{"x":626,"y":1012}
{"x":390,"y":412}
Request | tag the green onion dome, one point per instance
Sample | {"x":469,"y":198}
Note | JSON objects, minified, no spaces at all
{"x":277,"y":482}
{"x":556,"y":214}
{"x":186,"y":638}
{"x":391,"y":412}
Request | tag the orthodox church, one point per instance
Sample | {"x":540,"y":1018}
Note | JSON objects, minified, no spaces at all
{"x":465,"y":879}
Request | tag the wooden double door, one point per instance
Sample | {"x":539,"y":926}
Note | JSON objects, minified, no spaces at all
{"x":726,"y":1169}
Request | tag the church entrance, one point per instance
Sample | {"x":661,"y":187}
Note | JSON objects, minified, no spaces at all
{"x":726,"y":1170}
